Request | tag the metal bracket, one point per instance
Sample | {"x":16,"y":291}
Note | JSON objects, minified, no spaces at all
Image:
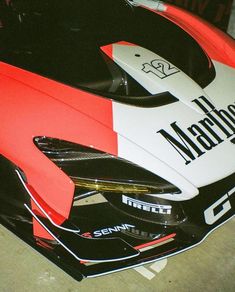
{"x":152,"y":4}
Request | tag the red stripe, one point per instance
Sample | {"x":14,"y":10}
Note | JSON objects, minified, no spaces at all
{"x":218,"y":45}
{"x":124,"y":43}
{"x":108,"y":50}
{"x":138,"y":247}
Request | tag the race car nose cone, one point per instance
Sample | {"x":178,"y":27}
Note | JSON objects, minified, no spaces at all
{"x":154,"y":73}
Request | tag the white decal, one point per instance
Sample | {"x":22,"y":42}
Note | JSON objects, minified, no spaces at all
{"x":108,"y":230}
{"x":148,"y":207}
{"x":223,"y":203}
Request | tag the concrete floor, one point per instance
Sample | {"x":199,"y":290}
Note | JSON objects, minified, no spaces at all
{"x":208,"y":267}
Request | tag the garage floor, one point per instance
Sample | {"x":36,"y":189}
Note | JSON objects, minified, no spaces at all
{"x":208,"y":267}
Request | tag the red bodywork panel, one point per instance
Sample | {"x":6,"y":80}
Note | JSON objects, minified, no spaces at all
{"x":35,"y":106}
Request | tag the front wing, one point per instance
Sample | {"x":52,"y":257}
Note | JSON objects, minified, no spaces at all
{"x":105,"y":239}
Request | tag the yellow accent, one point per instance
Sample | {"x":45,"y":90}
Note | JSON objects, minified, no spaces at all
{"x":110,"y":186}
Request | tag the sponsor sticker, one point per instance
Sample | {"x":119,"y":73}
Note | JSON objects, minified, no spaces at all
{"x":108,"y":230}
{"x":160,"y":68}
{"x":148,"y":207}
{"x":217,"y":126}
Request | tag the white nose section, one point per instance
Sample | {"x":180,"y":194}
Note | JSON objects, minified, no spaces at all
{"x":154,"y":73}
